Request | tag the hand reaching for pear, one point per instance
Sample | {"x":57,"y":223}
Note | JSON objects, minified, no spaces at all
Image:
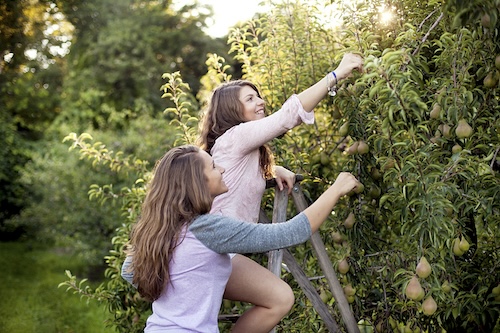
{"x":349,"y":62}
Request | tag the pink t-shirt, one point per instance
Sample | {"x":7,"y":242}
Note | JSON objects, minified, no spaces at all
{"x":237,"y":151}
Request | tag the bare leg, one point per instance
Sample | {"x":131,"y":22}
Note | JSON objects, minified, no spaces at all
{"x":272,"y":297}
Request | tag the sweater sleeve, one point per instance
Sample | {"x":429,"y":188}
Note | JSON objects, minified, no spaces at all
{"x":227,"y":235}
{"x":250,"y":135}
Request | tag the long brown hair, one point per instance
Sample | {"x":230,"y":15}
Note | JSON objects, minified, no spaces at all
{"x":224,"y":111}
{"x":176,"y":194}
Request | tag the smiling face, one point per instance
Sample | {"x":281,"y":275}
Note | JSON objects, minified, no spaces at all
{"x":253,"y":105}
{"x":213,"y":174}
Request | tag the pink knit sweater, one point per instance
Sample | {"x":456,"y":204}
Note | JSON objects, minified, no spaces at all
{"x":237,"y":151}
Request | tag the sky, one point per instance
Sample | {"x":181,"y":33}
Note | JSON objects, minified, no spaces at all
{"x":227,"y":13}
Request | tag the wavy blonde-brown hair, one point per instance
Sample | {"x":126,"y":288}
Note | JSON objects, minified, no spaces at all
{"x":224,"y":111}
{"x":177,"y":193}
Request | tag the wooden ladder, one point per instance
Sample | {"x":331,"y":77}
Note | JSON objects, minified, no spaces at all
{"x":277,"y":257}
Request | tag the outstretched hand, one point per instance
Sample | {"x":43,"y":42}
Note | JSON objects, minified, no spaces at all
{"x":345,"y":183}
{"x":349,"y":62}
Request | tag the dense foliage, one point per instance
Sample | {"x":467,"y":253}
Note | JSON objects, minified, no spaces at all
{"x":419,"y":127}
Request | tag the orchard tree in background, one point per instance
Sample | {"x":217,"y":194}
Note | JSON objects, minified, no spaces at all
{"x":417,"y":250}
{"x":30,"y":82}
{"x":119,"y":51}
{"x":91,"y":66}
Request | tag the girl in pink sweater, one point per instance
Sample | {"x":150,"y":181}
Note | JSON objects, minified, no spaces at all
{"x":235,"y":130}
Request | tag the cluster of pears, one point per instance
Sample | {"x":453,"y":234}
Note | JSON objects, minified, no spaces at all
{"x":358,"y":147}
{"x":415,"y":291}
{"x":462,"y":131}
{"x":460,"y":246}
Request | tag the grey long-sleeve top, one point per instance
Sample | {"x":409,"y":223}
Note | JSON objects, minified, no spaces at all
{"x":201,"y":266}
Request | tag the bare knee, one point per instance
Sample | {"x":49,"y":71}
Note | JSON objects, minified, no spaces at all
{"x":283,"y":299}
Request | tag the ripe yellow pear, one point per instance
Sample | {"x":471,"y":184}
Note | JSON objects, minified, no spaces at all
{"x":343,"y":266}
{"x":464,"y":244}
{"x":423,"y":268}
{"x":429,"y":306}
{"x":413,"y":289}
{"x":349,"y":221}
{"x":463,"y":129}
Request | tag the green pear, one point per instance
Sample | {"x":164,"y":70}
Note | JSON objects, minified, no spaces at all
{"x":349,"y":290}
{"x":456,"y":148}
{"x":343,"y":266}
{"x":363,"y":147}
{"x":324,"y":158}
{"x":429,"y":306}
{"x":446,"y":286}
{"x":496,"y":291}
{"x":436,"y":111}
{"x":353,"y":149}
{"x":349,"y":221}
{"x":456,"y":247}
{"x":344,"y":129}
{"x":413,"y":289}
{"x":463,"y":129}
{"x":464,"y":244}
{"x":423,"y":268}
{"x":490,"y":81}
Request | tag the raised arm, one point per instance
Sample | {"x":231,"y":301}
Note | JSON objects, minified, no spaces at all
{"x":314,"y":94}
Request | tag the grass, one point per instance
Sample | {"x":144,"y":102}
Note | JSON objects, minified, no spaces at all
{"x":30,"y":300}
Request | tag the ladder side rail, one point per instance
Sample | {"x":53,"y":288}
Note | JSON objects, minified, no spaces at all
{"x":327,"y":267}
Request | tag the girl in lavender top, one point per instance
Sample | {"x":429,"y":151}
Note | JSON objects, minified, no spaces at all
{"x":178,"y":257}
{"x":235,"y":130}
